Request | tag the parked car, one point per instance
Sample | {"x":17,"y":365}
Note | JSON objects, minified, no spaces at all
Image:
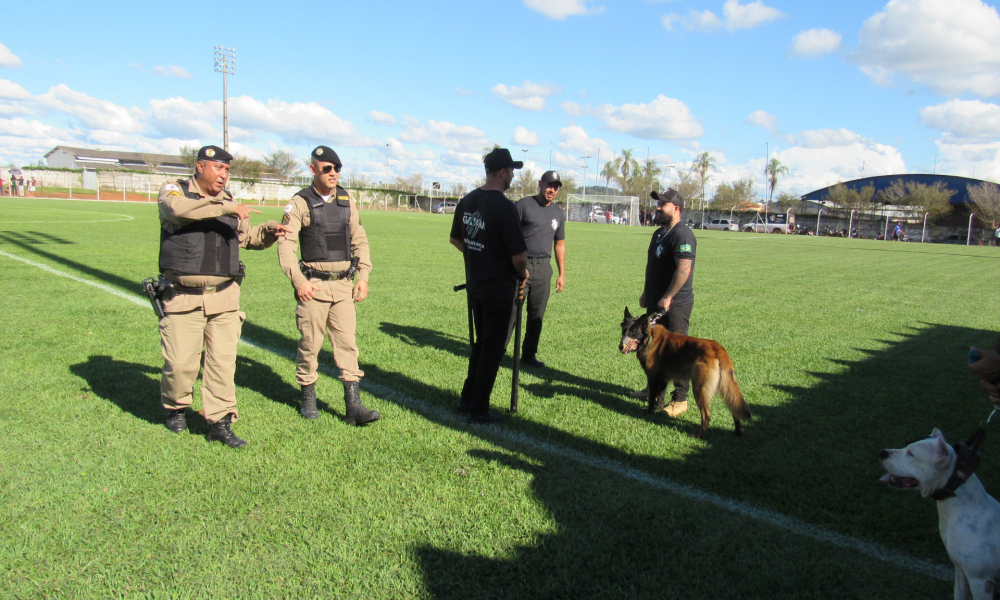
{"x":775,"y":223}
{"x":723,"y":225}
{"x":961,"y":240}
{"x":445,"y":207}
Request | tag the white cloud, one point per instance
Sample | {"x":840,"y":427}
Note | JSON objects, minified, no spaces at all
{"x":828,"y":138}
{"x":529,"y":96}
{"x":815,"y":42}
{"x":181,"y":118}
{"x":748,"y":16}
{"x":948,"y":45}
{"x":662,"y":119}
{"x":964,"y":119}
{"x":695,"y":20}
{"x":171,"y":71}
{"x":8,"y":60}
{"x":296,"y":122}
{"x":463,"y":92}
{"x":763,"y":119}
{"x":12,"y":91}
{"x":462,"y":159}
{"x":382,"y":118}
{"x":576,"y":139}
{"x":560,"y":9}
{"x":826,"y":156}
{"x":442,"y":133}
{"x":91,"y":112}
{"x":523,"y":137}
{"x":34,"y":130}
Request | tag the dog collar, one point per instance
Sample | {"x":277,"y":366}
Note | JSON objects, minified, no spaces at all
{"x":965,"y":465}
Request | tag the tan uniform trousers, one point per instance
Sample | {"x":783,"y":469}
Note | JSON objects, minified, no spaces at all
{"x":315,"y":319}
{"x":183,"y":336}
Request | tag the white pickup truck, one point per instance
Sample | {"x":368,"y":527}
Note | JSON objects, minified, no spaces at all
{"x":774,"y":223}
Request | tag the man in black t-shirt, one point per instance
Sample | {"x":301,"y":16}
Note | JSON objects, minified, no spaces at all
{"x":544,"y":227}
{"x":669,"y":275}
{"x":487,"y":231}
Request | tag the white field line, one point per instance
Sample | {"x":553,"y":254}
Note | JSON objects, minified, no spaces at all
{"x":789,"y":524}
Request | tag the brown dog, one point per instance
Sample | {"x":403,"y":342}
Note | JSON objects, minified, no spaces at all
{"x":666,"y":356}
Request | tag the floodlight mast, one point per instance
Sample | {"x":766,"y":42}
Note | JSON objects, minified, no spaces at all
{"x":225,"y":63}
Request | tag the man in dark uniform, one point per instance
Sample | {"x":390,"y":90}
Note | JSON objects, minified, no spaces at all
{"x":201,"y":232}
{"x":544,"y":227}
{"x":487,"y":231}
{"x":324,"y":221}
{"x":669,"y":275}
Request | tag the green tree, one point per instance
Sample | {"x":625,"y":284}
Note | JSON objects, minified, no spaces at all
{"x":650,"y":173}
{"x":774,"y":171}
{"x":688,"y":187}
{"x":986,"y":197}
{"x":849,"y":199}
{"x":701,"y":165}
{"x":246,"y":169}
{"x":282,"y":164}
{"x":628,"y":168}
{"x":933,"y":199}
{"x":737,"y":196}
{"x":525,"y":184}
{"x":609,"y":172}
{"x":189,"y":156}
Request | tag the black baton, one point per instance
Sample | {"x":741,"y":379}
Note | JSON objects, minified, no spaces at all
{"x":468,"y":304}
{"x":518,"y":304}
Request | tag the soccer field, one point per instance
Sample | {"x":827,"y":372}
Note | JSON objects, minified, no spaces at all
{"x":842,"y":348}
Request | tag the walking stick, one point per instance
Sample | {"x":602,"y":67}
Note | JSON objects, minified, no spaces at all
{"x":468,"y":304}
{"x":519,"y":304}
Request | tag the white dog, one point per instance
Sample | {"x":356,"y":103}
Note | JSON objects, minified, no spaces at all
{"x":969,"y":521}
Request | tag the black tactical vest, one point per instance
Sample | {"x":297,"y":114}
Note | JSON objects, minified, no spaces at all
{"x":205,"y":247}
{"x":328,"y":236}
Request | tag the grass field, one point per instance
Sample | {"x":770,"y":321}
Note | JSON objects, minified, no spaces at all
{"x":842,"y":347}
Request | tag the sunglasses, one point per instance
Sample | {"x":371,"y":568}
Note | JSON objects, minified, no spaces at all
{"x":327,"y":168}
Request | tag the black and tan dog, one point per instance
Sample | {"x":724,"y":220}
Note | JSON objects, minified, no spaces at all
{"x":666,"y":356}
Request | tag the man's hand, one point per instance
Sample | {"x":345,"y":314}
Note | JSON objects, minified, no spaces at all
{"x":243,"y":211}
{"x":306,"y":291}
{"x":642,"y":300}
{"x":560,"y":283}
{"x":280,"y":230}
{"x":664,"y":304}
{"x":360,"y":291}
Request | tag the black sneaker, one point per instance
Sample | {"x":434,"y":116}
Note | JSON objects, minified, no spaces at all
{"x":486,"y":418}
{"x":176,"y":421}
{"x":532,"y":362}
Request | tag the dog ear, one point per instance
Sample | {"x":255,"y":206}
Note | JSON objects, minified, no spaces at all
{"x":628,"y":315}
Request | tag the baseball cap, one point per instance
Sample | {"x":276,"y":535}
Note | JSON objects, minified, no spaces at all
{"x":500,"y":158}
{"x":551,"y":177}
{"x":671,"y":195}
{"x":326,"y":154}
{"x":214,"y":153}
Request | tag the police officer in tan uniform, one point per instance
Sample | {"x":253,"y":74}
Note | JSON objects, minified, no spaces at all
{"x":201,"y":232}
{"x":324,"y":223}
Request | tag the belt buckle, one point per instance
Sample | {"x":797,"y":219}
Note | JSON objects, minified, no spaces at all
{"x":210,"y":289}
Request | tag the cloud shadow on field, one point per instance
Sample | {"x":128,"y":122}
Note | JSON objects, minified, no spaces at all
{"x":554,"y":382}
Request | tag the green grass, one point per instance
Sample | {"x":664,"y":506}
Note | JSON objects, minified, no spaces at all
{"x":842,"y":347}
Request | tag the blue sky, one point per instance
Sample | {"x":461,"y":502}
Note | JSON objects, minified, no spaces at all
{"x":828,"y":89}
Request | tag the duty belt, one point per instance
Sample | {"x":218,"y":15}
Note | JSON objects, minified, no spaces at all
{"x":311,"y":273}
{"x":200,"y":291}
{"x":539,"y":259}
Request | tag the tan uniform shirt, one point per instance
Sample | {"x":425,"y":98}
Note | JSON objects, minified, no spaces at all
{"x":178,"y":210}
{"x":296,"y":217}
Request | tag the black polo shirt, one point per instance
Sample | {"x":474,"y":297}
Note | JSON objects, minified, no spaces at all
{"x":666,"y":249}
{"x":488,"y":225}
{"x":542,"y":225}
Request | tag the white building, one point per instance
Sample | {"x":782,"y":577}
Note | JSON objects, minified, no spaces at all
{"x":66,"y":157}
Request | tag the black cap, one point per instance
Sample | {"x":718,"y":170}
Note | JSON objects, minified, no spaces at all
{"x":326,"y":154}
{"x":551,"y":177}
{"x":671,"y":195}
{"x":500,"y":159}
{"x":214,"y":153}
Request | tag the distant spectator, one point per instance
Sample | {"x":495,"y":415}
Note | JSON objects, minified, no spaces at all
{"x":20,"y":186}
{"x":897,"y":232}
{"x":31,"y":187}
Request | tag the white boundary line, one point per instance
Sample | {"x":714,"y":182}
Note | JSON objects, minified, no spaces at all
{"x":776,"y":519}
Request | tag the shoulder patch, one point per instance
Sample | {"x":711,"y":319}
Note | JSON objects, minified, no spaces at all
{"x":172,"y":187}
{"x":289,"y":207}
{"x":685,"y":247}
{"x":173,"y":194}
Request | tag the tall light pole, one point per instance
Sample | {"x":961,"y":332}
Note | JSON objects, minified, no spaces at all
{"x":387,"y":166}
{"x":585,"y":159}
{"x":225,"y":63}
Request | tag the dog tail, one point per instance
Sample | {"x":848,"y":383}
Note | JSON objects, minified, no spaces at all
{"x":730,"y":390}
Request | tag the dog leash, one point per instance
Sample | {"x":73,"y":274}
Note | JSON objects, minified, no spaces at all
{"x":653,"y":320}
{"x":967,"y":459}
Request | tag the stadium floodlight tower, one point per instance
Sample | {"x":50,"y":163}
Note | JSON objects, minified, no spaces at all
{"x":225,"y":63}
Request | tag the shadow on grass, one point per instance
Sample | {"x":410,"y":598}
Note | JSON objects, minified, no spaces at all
{"x":134,"y":387}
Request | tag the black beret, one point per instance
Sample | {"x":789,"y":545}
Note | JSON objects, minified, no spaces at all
{"x":326,"y":154}
{"x":671,"y":195}
{"x":214,"y":153}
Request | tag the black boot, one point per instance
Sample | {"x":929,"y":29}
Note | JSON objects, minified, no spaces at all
{"x":357,"y":414}
{"x":176,"y":421}
{"x":221,"y":430}
{"x":308,"y":408}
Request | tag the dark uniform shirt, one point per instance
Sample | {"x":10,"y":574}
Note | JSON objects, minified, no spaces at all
{"x":541,"y":225}
{"x":487,"y":223}
{"x":666,"y":250}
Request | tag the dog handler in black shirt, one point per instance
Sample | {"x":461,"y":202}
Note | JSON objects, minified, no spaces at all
{"x":544,"y":227}
{"x":669,"y":275}
{"x":487,"y":231}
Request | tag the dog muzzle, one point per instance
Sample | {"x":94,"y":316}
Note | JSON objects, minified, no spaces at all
{"x":629,"y":346}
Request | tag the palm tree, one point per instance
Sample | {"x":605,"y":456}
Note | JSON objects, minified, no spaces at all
{"x":629,"y":167}
{"x":701,"y":165}
{"x":774,"y":170}
{"x":610,"y":171}
{"x":650,"y":173}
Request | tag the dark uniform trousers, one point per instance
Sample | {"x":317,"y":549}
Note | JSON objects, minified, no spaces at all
{"x":491,"y":316}
{"x":677,"y":320}
{"x":536,"y":298}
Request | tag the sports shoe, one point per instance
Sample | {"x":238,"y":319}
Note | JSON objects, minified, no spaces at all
{"x":676,"y":408}
{"x":176,"y":421}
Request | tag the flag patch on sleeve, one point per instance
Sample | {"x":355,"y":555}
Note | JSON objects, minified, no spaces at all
{"x":172,"y":187}
{"x":685,"y":247}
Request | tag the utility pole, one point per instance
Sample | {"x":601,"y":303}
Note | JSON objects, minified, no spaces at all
{"x":225,"y":63}
{"x":387,"y":166}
